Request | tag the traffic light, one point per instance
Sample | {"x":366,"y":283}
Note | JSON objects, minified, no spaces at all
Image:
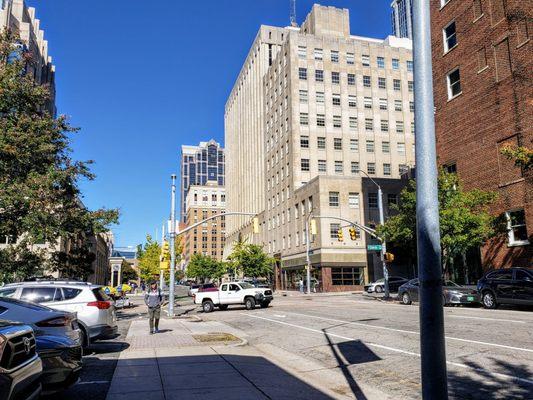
{"x":256,"y":225}
{"x":388,"y":257}
{"x":164,"y":265}
{"x":313,"y":229}
{"x":340,"y":236}
{"x":353,"y":233}
{"x":165,"y":251}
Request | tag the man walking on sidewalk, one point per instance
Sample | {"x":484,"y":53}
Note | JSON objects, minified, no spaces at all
{"x":153,"y":300}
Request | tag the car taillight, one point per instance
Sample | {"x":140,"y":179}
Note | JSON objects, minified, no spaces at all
{"x":101,"y":305}
{"x":54,"y":322}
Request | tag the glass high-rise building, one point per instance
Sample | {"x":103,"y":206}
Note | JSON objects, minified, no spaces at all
{"x":199,"y":165}
{"x":402,"y":18}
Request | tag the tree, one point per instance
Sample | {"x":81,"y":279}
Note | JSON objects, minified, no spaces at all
{"x":39,"y":191}
{"x":128,"y":273}
{"x":250,"y":260}
{"x":522,"y":156}
{"x":465,"y":222}
{"x":205,"y":268}
{"x":148,"y":255}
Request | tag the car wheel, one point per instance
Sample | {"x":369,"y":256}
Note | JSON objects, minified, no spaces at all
{"x":444,"y":303}
{"x":379,"y":289}
{"x":406,"y":299}
{"x":265,"y":304}
{"x":223,"y":307}
{"x":84,"y":340}
{"x":489,"y":301}
{"x":208,"y":306}
{"x":249,"y":303}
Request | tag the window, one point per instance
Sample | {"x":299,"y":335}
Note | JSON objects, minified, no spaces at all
{"x":320,"y":120}
{"x":369,"y":146}
{"x":412,"y":106}
{"x":402,"y":169}
{"x":8,"y":292}
{"x":371,"y":168}
{"x":321,"y":142}
{"x":392,"y":199}
{"x":412,"y":127}
{"x":346,"y":276}
{"x":401,"y":148}
{"x":320,"y":97}
{"x":352,"y":101}
{"x":397,"y":105}
{"x":366,"y":81}
{"x":453,"y":80}
{"x":395,"y":63}
{"x":304,"y":142}
{"x":318,"y":54}
{"x":334,"y":230}
{"x":397,"y":84}
{"x":350,"y":58}
{"x":302,"y":52}
{"x":443,"y":2}
{"x":353,"y":122}
{"x":351,"y":79}
{"x":333,"y":199}
{"x":399,"y":126}
{"x":516,"y":227}
{"x":335,"y":78}
{"x":304,"y":164}
{"x":372,"y":200}
{"x":386,"y":169}
{"x":481,"y":59}
{"x":337,"y":143}
{"x":304,"y":119}
{"x":322,"y":166}
{"x":365,"y":59}
{"x":354,"y":167}
{"x":41,"y":294}
{"x":384,"y":125}
{"x":382,"y":83}
{"x":339,"y":169}
{"x":411,"y":86}
{"x":334,"y":56}
{"x":385,"y":147}
{"x":369,"y":124}
{"x":319,"y":75}
{"x":367,"y":102}
{"x":503,"y":60}
{"x":449,"y":36}
{"x":303,"y":96}
{"x":354,"y":145}
{"x":478,"y":9}
{"x":382,"y":104}
{"x":337,"y":121}
{"x":381,"y":62}
{"x":302,"y":74}
{"x":451,"y":168}
{"x":353,"y":200}
{"x":409,"y":66}
{"x":336,"y":99}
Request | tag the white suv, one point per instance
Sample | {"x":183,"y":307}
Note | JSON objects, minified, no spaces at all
{"x":95,"y":310}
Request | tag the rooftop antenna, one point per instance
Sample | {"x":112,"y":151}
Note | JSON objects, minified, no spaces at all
{"x":293,"y":13}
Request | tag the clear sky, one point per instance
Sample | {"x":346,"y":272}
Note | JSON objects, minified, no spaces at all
{"x":141,"y":78}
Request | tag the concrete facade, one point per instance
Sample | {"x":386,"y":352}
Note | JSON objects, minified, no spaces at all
{"x":487,"y":46}
{"x":101,"y":246}
{"x":333,"y":104}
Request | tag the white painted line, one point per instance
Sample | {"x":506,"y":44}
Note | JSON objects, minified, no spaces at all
{"x":406,"y":352}
{"x":92,"y":383}
{"x":414,"y":332}
{"x":279,"y":315}
{"x":487,"y":319}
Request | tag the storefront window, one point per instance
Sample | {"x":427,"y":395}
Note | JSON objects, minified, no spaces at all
{"x":346,"y":276}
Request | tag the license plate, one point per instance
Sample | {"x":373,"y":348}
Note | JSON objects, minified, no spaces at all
{"x":470,"y":298}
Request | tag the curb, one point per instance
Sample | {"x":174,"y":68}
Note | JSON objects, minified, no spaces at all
{"x":390,"y":300}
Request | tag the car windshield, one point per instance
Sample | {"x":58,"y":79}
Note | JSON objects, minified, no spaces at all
{"x":246,"y":285}
{"x":380,"y":280}
{"x":450,"y":283}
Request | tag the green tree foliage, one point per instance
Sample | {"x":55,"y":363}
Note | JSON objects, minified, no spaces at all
{"x":465,"y":222}
{"x":39,"y":192}
{"x":148,"y":255}
{"x":521,"y":155}
{"x":250,"y":260}
{"x":205,"y":268}
{"x":128,"y":273}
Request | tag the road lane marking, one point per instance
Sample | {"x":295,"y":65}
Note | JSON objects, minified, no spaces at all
{"x":379,"y":346}
{"x":279,"y":315}
{"x":487,"y":319}
{"x":93,"y":382}
{"x":414,"y":332}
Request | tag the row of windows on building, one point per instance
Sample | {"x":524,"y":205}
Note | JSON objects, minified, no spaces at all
{"x":214,"y":197}
{"x":351,"y":101}
{"x":353,"y":145}
{"x":214,"y":238}
{"x":318,"y":55}
{"x":353,"y":124}
{"x":305,"y":166}
{"x":350,"y":80}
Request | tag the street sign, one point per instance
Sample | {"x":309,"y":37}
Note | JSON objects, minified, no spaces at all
{"x":373,"y":247}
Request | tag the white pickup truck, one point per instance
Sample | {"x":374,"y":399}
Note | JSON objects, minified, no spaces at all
{"x":234,"y":293}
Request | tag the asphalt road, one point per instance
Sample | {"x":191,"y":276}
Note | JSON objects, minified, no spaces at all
{"x":489,"y":352}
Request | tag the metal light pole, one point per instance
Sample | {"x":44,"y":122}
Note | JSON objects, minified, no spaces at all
{"x":432,"y":344}
{"x":162,"y":272}
{"x":172,"y":237}
{"x":383,"y":243}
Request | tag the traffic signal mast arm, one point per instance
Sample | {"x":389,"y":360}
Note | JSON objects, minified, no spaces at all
{"x":213,"y":217}
{"x":370,"y":231}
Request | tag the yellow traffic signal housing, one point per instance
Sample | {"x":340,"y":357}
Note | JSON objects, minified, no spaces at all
{"x":313,"y":229}
{"x":165,"y":251}
{"x":388,"y":257}
{"x":256,"y":225}
{"x":164,"y":265}
{"x":340,"y":236}
{"x":353,"y":233}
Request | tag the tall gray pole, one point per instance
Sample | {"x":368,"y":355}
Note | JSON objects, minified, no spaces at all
{"x":172,"y":237}
{"x":432,"y":345}
{"x":383,"y":244}
{"x":162,"y":272}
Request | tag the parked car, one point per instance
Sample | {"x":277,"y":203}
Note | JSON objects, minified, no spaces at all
{"x":95,"y":310}
{"x":506,"y":286}
{"x":452,"y":293}
{"x":20,"y":366}
{"x":379,"y":286}
{"x":58,"y":341}
{"x":234,"y":293}
{"x":193,"y":289}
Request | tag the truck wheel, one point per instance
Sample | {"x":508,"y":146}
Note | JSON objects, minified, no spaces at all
{"x":265,"y":304}
{"x":249,"y":303}
{"x":208,"y":306}
{"x":223,"y":307}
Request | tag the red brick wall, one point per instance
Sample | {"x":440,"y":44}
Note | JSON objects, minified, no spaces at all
{"x":495,"y":107}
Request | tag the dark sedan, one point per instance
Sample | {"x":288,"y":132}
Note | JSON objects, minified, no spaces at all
{"x":506,"y":286}
{"x":452,"y":293}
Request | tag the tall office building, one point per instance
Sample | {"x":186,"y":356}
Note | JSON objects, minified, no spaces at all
{"x":200,"y":165}
{"x":332,"y":104}
{"x":402,"y":18}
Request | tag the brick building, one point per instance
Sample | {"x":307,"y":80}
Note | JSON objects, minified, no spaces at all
{"x":482,"y":72}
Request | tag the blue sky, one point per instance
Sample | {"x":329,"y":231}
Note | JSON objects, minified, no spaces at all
{"x":141,"y":78}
